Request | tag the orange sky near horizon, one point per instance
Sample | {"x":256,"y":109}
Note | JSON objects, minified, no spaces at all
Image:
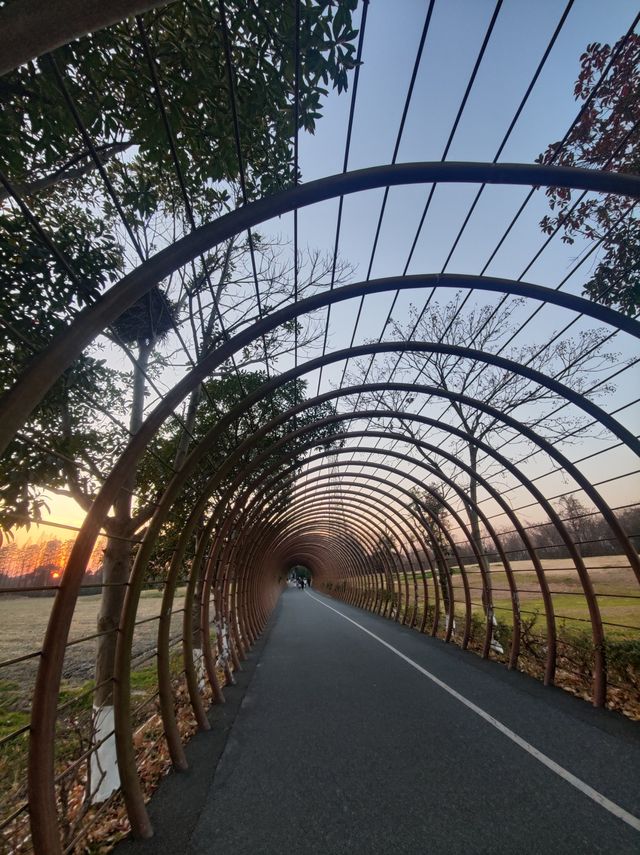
{"x":63,"y":511}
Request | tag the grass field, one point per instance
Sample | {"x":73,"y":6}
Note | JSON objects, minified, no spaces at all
{"x":614,"y":582}
{"x":23,"y":622}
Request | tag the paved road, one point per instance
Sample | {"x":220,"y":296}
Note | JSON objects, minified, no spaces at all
{"x":343,"y":744}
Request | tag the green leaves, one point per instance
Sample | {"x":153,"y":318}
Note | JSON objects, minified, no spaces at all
{"x":606,"y":137}
{"x":109,"y":79}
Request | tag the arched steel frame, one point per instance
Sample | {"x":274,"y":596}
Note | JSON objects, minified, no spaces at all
{"x":229,"y":569}
{"x":45,"y":368}
{"x":125,"y":636}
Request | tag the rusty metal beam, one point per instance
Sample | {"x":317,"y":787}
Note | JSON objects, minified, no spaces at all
{"x":47,"y":367}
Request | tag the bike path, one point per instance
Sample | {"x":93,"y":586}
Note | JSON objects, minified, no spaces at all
{"x":358,"y":735}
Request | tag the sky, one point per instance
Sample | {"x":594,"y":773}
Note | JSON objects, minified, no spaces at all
{"x":456,"y":32}
{"x":519,"y":39}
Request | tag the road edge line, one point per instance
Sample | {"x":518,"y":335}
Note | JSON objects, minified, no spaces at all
{"x":563,"y":773}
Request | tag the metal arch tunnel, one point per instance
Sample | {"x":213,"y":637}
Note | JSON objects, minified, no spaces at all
{"x":269,"y":518}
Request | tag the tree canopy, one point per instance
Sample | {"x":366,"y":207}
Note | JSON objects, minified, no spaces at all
{"x":177,"y":54}
{"x":606,"y":136}
{"x":143,"y":113}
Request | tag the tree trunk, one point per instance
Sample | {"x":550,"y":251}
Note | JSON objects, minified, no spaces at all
{"x":444,"y":585}
{"x":104,"y":777}
{"x":189,"y":422}
{"x":196,"y":627}
{"x":474,"y":521}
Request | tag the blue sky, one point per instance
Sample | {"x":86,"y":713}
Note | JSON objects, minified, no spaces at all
{"x":519,"y":39}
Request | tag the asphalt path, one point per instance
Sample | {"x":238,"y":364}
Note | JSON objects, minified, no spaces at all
{"x":358,"y":735}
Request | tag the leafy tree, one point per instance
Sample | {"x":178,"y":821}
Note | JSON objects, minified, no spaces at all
{"x":71,"y":442}
{"x":607,"y":136}
{"x":109,"y":76}
{"x":222,"y":394}
{"x":86,"y":242}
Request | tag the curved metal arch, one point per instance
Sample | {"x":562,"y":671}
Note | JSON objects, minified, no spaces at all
{"x":358,"y":575}
{"x":44,"y":715}
{"x":253,"y":544}
{"x":466,"y":172}
{"x":255,"y":485}
{"x":394,"y":521}
{"x":433,"y":540}
{"x":357,"y":499}
{"x":359,"y":525}
{"x":400,"y":488}
{"x":324,"y":553}
{"x":191,"y":461}
{"x":440,"y":390}
{"x":279,"y":533}
{"x":435,"y":547}
{"x":107,"y":495}
{"x":351,"y":541}
{"x":396,"y":346}
{"x":412,"y":441}
{"x":491,"y":531}
{"x":350,"y":571}
{"x":48,"y":366}
{"x":291,"y":551}
{"x":356,"y":580}
{"x":541,"y":577}
{"x":362,"y":529}
{"x":254,"y":540}
{"x":348,"y":538}
{"x":342,"y":417}
{"x":599,"y":691}
{"x":531,"y":435}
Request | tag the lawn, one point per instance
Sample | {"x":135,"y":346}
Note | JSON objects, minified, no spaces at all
{"x":24,"y":621}
{"x":612,"y":578}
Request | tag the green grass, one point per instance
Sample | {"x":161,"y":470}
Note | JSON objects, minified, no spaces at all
{"x":155,"y":593}
{"x":572,"y":612}
{"x":79,"y":697}
{"x":144,"y":680}
{"x":12,"y":720}
{"x":13,"y":754}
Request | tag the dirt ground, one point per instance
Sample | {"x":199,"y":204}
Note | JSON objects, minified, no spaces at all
{"x":609,"y":574}
{"x":23,"y":622}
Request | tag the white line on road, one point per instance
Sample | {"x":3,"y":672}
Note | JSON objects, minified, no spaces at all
{"x":563,"y":773}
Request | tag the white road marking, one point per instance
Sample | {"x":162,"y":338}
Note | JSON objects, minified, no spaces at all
{"x":563,"y":773}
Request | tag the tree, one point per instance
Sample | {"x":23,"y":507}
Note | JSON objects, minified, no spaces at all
{"x":75,"y":436}
{"x":222,"y":394}
{"x":435,"y":504}
{"x":109,"y":75}
{"x":576,"y":362}
{"x":578,"y":521}
{"x":121,"y":80}
{"x":607,"y":136}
